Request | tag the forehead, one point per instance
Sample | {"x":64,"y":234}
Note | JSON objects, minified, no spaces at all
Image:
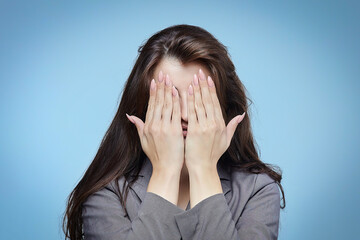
{"x":180,"y":74}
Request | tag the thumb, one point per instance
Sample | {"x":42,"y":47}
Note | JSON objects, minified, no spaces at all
{"x":231,"y":127}
{"x":138,"y":123}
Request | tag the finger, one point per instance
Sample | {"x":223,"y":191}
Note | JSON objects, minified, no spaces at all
{"x":217,"y":108}
{"x":150,"y":108}
{"x":192,"y":121}
{"x":176,"y":112}
{"x":159,"y":100}
{"x":199,"y":107}
{"x":231,"y":127}
{"x":138,"y":123}
{"x":205,"y":95}
{"x":167,"y":108}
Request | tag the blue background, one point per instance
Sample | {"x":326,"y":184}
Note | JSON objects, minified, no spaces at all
{"x":63,"y":65}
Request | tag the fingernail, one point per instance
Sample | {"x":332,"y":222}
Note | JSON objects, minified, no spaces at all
{"x":167,"y":80}
{"x":241,"y":117}
{"x":130,"y":118}
{"x":191,"y":90}
{"x":196,"y":80}
{"x":174,"y":92}
{"x":152,"y":84}
{"x":210,"y":82}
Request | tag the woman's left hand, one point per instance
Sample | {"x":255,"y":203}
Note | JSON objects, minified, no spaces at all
{"x":207,"y":136}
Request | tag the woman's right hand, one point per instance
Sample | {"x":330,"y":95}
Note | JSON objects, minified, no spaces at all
{"x":161,"y":135}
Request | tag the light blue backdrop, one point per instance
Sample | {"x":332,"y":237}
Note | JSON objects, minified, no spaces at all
{"x":62,"y":69}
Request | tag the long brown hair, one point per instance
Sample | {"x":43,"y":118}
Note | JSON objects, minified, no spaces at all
{"x":120,"y":152}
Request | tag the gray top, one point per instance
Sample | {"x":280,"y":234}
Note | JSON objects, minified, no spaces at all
{"x":248,"y":208}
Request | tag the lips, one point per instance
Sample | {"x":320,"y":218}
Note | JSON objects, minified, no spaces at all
{"x":184,"y":132}
{"x":184,"y":128}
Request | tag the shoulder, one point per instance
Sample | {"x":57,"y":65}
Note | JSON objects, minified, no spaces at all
{"x":106,"y":194}
{"x":255,"y":204}
{"x":252,"y":183}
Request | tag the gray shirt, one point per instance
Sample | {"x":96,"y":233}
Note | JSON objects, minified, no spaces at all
{"x":248,"y":208}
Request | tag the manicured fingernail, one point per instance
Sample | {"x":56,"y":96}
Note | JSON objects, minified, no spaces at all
{"x":202,"y":75}
{"x":152,"y":85}
{"x":167,"y":80}
{"x":196,"y":80}
{"x":130,"y":118}
{"x":161,"y":75}
{"x":174,"y":92}
{"x":210,"y":82}
{"x":241,"y":117}
{"x":191,"y":90}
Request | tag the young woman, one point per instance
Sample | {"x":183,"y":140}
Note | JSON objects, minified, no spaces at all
{"x":178,"y":160}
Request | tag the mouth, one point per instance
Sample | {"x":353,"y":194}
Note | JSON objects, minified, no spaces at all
{"x":184,"y":132}
{"x":184,"y":128}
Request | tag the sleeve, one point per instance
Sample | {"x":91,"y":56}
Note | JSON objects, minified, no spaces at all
{"x":211,"y":218}
{"x":104,"y":218}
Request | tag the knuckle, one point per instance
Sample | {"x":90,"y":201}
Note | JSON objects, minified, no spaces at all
{"x":203,"y":129}
{"x":160,"y":89}
{"x":198,"y":97}
{"x":176,"y":132}
{"x":209,"y":127}
{"x":164,"y":129}
{"x":212,"y":126}
{"x":146,"y":129}
{"x":175,"y":100}
{"x":208,"y":105}
{"x":160,"y":95}
{"x":194,"y":130}
{"x":215,"y":127}
{"x":167,"y":105}
{"x":154,"y":129}
{"x":159,"y":101}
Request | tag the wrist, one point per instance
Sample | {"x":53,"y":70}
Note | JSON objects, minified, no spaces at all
{"x":165,"y":184}
{"x":166,"y":173}
{"x":203,"y":171}
{"x":204,"y":182}
{"x":167,"y":165}
{"x":203,"y":167}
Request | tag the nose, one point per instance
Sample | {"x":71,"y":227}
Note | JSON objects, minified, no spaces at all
{"x":183,"y":106}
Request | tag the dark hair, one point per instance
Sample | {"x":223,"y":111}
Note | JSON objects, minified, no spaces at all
{"x":120,"y":153}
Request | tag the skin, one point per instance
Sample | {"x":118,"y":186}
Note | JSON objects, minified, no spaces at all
{"x":184,"y":166}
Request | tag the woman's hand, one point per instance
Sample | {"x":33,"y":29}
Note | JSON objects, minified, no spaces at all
{"x":161,"y":135}
{"x":207,"y":136}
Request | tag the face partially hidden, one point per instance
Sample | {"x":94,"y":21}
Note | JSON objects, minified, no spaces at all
{"x":181,"y":77}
